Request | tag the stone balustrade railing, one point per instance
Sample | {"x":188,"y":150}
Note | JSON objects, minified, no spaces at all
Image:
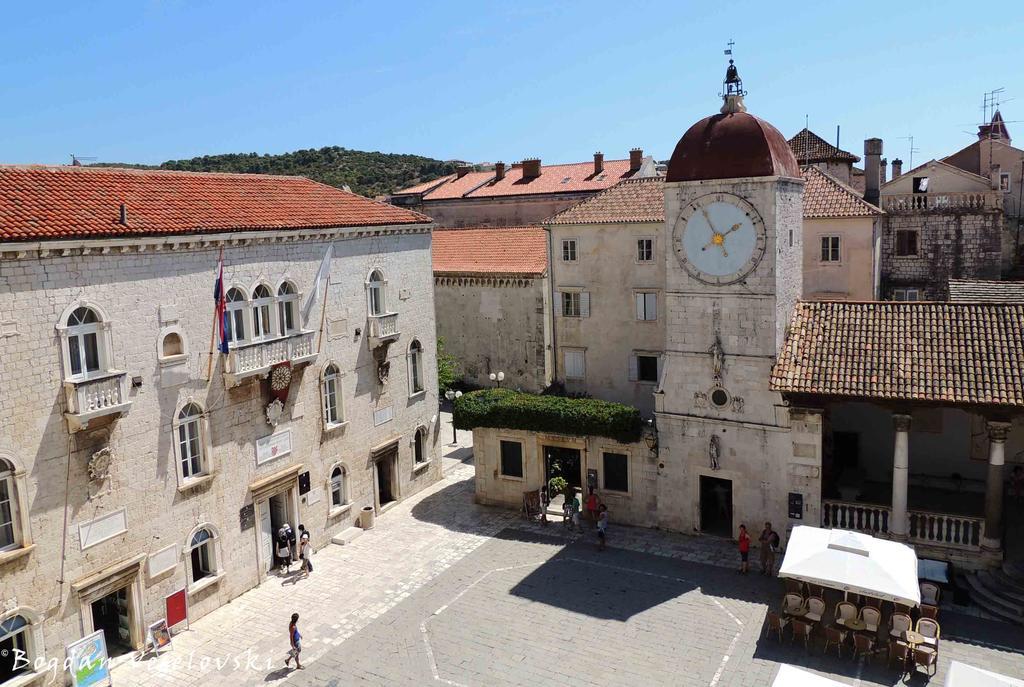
{"x":87,"y":399}
{"x":382,"y":326}
{"x":978,"y":201}
{"x":861,"y":517}
{"x":256,"y":358}
{"x":923,"y":527}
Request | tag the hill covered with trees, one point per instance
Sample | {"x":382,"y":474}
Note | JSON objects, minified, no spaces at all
{"x":366,"y":173}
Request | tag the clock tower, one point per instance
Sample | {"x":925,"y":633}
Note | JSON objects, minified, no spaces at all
{"x":733,"y":225}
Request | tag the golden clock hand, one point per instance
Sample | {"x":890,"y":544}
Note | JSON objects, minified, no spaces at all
{"x":710,"y":225}
{"x":732,"y":228}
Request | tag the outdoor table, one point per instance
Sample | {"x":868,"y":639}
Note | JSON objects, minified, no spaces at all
{"x":855,"y":624}
{"x":912,"y":638}
{"x":796,"y":613}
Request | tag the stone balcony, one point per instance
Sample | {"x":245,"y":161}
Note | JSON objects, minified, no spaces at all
{"x":256,"y":358}
{"x":95,"y":397}
{"x":953,"y":202}
{"x":382,"y":329}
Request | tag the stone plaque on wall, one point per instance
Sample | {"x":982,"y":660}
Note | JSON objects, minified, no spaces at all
{"x":247,"y":516}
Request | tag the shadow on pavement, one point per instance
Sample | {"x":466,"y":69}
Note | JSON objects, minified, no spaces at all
{"x":454,"y":509}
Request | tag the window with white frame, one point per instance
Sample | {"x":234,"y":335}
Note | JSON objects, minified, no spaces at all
{"x":644,"y":367}
{"x":646,"y":305}
{"x":262,"y":299}
{"x":85,"y":343}
{"x":287,"y":297}
{"x":375,"y":294}
{"x":202,"y":555}
{"x":10,"y":532}
{"x":189,"y":435}
{"x":573,"y":303}
{"x":645,"y":250}
{"x":830,"y":249}
{"x":235,"y":304}
{"x":17,"y":650}
{"x":331,"y":391}
{"x":574,"y":363}
{"x":568,"y":250}
{"x":906,"y":294}
{"x":339,"y":497}
{"x":419,"y":446}
{"x":1004,"y":181}
{"x":415,"y":367}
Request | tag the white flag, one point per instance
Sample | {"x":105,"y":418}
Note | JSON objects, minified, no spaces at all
{"x":322,"y":276}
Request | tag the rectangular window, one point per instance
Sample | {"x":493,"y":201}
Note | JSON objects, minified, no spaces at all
{"x":647,"y":368}
{"x":906,"y":295}
{"x":6,"y":514}
{"x":906,"y":242}
{"x":830,"y":249}
{"x":569,"y":250}
{"x":646,"y":306}
{"x":511,"y":459}
{"x":572,"y":304}
{"x":1004,"y":182}
{"x":616,"y":472}
{"x":331,"y":400}
{"x":645,"y":250}
{"x":920,"y":184}
{"x":575,"y":366}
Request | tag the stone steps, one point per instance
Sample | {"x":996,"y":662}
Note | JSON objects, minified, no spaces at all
{"x":347,"y":537}
{"x":989,"y":593}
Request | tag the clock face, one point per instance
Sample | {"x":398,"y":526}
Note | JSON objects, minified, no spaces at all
{"x":719,"y":238}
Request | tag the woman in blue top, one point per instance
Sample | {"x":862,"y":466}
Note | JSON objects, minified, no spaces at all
{"x":295,"y":639}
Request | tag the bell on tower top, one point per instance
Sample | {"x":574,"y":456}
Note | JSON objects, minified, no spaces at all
{"x":732,"y":88}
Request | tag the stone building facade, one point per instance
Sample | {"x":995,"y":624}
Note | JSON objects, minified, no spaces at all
{"x":141,"y":461}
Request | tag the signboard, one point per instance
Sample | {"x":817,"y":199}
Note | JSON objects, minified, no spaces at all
{"x":796,"y":505}
{"x":275,"y":446}
{"x":314,"y":496}
{"x":177,"y":608}
{"x":101,"y":529}
{"x":163,"y":560}
{"x":159,"y":635}
{"x":383,"y":415}
{"x":247,"y":516}
{"x":88,"y":661}
{"x":304,"y":482}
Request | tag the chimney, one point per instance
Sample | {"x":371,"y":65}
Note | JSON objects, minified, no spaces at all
{"x":499,"y":171}
{"x":872,"y":174}
{"x":463,"y":170}
{"x":598,"y":163}
{"x":897,"y":168}
{"x":531,"y":168}
{"x":884,"y":172}
{"x":124,"y":215}
{"x":636,"y":158}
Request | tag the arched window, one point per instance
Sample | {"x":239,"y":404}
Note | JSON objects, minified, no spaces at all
{"x":172,"y":345}
{"x":15,"y":641}
{"x":375,"y":293}
{"x":331,"y":391}
{"x":338,"y":496}
{"x":202,"y":555}
{"x":190,"y":441}
{"x":415,"y":367}
{"x":85,"y":352}
{"x":287,"y":296}
{"x":261,"y":322}
{"x":419,"y":446}
{"x":10,"y":532}
{"x":235,"y":300}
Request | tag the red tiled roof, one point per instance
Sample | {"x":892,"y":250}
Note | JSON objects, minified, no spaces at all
{"x":454,"y":187}
{"x":826,"y":196}
{"x":490,"y":250}
{"x":986,"y":291}
{"x":809,"y":147}
{"x":964,"y":353}
{"x":632,"y":200}
{"x":40,"y":203}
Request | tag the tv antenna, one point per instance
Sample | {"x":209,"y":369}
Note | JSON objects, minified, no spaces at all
{"x":912,"y":149}
{"x":76,"y":160}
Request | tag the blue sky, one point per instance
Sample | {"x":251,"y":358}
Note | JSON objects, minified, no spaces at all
{"x":151,"y":80}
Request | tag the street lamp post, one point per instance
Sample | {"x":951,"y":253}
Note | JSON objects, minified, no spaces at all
{"x":497,"y":377}
{"x":451,"y":396}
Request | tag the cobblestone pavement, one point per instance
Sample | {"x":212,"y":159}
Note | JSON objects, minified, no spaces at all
{"x":443,"y":591}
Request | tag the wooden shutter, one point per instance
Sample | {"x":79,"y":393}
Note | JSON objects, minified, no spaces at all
{"x":639,"y":306}
{"x":558,"y":303}
{"x":585,"y":304}
{"x":652,"y":302}
{"x":634,"y":372}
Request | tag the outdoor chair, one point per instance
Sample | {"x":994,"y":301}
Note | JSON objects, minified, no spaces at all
{"x":927,"y":658}
{"x":815,"y":609}
{"x":930,"y":593}
{"x":863,"y":644}
{"x":792,"y":602}
{"x":773,"y":622}
{"x":929,"y":629}
{"x":900,"y":623}
{"x":900,"y":650}
{"x":802,"y":630}
{"x":833,"y":635}
{"x":873,"y":603}
{"x":872,"y":617}
{"x":845,"y":611}
{"x":929,"y":611}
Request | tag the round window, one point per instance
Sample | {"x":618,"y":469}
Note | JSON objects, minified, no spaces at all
{"x":719,"y":397}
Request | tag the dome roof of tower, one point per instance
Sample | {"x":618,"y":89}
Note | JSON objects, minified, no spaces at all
{"x":729,"y":146}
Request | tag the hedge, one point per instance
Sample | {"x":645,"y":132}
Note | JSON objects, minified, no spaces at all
{"x":508,"y":409}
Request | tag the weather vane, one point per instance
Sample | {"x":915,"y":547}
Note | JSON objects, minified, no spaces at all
{"x":728,"y":51}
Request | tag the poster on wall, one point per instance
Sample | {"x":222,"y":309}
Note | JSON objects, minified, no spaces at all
{"x":177,"y":608}
{"x":88,"y":661}
{"x":159,"y":635}
{"x":274,"y":446}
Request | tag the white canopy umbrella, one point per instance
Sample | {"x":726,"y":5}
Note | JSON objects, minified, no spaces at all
{"x":853,"y":562}
{"x":963,"y":675}
{"x":790,"y":676}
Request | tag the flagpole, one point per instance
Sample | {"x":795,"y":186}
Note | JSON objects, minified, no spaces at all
{"x":323,"y":315}
{"x":213,"y":329}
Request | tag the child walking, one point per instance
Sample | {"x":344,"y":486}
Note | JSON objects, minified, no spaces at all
{"x":602,"y":526}
{"x":744,"y":544}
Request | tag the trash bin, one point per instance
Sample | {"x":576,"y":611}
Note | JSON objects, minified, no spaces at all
{"x":367,"y":517}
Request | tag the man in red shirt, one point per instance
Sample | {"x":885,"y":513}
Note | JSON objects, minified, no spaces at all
{"x":744,"y":543}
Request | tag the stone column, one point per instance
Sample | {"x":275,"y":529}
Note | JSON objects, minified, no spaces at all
{"x":992,"y":536}
{"x":900,"y":471}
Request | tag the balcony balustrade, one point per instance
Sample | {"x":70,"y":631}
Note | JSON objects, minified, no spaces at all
{"x":960,"y":532}
{"x":256,"y":358}
{"x":95,"y":397}
{"x":973,"y":201}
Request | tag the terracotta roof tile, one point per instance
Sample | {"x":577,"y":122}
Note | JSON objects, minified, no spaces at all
{"x":809,"y":147}
{"x":964,"y":353}
{"x":632,"y":200}
{"x":826,"y":196}
{"x":981,"y":291}
{"x":490,"y":250}
{"x":454,"y":187}
{"x":40,"y":203}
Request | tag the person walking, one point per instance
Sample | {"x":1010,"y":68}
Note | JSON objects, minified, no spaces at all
{"x":602,"y":526}
{"x":744,"y":545}
{"x":295,"y":641}
{"x":769,"y":541}
{"x":304,"y":551}
{"x":592,"y":503}
{"x":574,"y":510}
{"x":284,"y":551}
{"x":545,"y":501}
